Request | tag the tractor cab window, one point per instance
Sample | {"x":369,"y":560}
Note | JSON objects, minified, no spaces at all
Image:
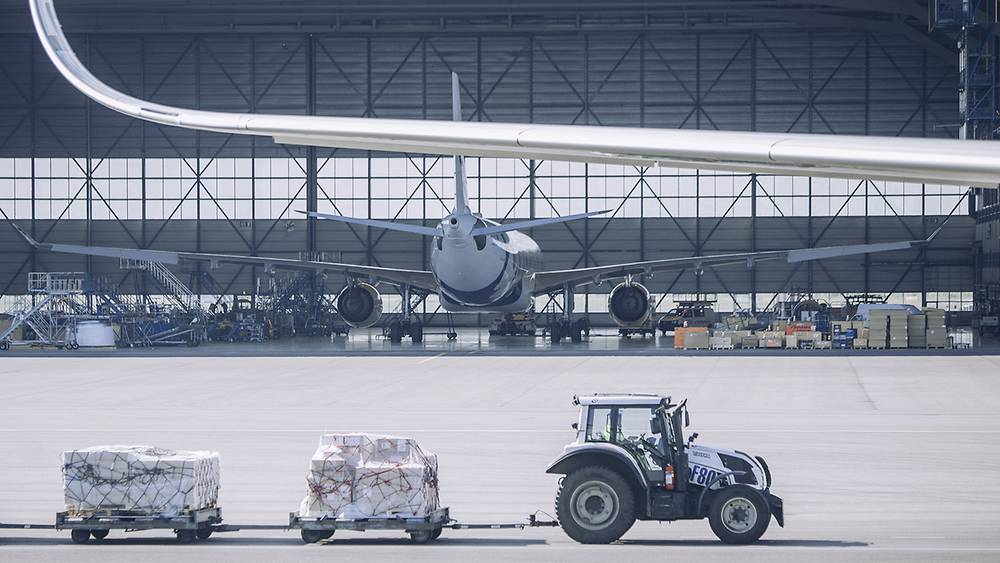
{"x":620,"y":425}
{"x":627,"y":427}
{"x":600,"y":427}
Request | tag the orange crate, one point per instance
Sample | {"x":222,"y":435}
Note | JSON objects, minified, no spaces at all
{"x":799,"y":327}
{"x":679,"y":333}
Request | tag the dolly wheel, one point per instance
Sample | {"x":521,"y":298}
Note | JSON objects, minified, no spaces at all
{"x":421,"y":537}
{"x":80,"y":536}
{"x":99,"y":534}
{"x":436,"y":533}
{"x":187,"y":536}
{"x":204,"y":533}
{"x":312,"y":536}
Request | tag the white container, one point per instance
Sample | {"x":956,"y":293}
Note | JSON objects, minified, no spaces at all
{"x":95,"y":334}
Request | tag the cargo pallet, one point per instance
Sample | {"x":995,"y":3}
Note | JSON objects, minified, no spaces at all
{"x":188,"y":526}
{"x":421,"y":529}
{"x":201,"y":524}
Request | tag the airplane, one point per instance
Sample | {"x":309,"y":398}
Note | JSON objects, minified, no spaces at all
{"x":483,"y":266}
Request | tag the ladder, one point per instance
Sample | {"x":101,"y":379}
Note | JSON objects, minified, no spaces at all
{"x":168,"y":282}
{"x":52,"y":315}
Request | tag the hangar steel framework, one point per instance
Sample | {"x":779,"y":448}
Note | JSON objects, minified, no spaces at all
{"x":75,"y":171}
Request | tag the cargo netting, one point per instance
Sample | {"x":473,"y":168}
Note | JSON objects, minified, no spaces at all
{"x":354,"y":476}
{"x":139,"y":479}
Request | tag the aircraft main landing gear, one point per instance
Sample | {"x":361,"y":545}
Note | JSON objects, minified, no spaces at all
{"x":568,"y":327}
{"x":407,"y":324}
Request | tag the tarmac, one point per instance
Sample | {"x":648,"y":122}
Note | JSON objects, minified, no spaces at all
{"x":878,"y":457}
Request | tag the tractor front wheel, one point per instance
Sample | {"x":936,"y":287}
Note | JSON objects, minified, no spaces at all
{"x":739,"y":514}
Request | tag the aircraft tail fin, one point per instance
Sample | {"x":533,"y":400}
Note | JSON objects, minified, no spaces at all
{"x":461,"y":184}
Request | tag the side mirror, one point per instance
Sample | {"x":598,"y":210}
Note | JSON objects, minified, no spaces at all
{"x":575,"y":426}
{"x":654,"y":426}
{"x":687,"y":419}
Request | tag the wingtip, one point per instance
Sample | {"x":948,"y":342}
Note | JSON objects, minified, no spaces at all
{"x":27,"y":238}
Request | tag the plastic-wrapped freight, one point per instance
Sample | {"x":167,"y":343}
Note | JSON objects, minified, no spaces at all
{"x":355,"y":476}
{"x":139,"y":479}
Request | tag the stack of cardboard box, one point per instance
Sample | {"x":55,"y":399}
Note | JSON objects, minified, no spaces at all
{"x":861,"y":341}
{"x":370,"y":476}
{"x":139,"y":479}
{"x":898,"y":331}
{"x":937,"y":334}
{"x":878,"y":328}
{"x":846,"y":334}
{"x":721,"y":342}
{"x":771,"y":338}
{"x":916,"y":329}
{"x":681,"y":333}
{"x":694,"y":340}
{"x":808,"y":339}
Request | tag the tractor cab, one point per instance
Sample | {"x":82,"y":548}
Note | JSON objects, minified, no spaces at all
{"x":644,"y":426}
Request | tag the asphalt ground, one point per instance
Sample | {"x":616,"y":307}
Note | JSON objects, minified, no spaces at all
{"x":878,"y":458}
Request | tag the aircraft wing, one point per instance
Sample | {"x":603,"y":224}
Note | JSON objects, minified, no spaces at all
{"x":967,"y":163}
{"x":555,"y":280}
{"x":394,"y":276}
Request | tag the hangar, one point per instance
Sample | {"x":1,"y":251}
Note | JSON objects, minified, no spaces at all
{"x":125,"y":243}
{"x":73,"y":171}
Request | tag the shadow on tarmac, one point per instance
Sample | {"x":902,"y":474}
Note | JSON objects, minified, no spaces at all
{"x":268,"y":541}
{"x":767,"y":543}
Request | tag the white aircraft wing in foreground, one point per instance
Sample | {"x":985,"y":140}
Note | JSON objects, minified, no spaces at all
{"x":967,"y":163}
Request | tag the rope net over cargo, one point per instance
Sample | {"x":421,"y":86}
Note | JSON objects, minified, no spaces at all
{"x":139,"y":479}
{"x":369,"y":476}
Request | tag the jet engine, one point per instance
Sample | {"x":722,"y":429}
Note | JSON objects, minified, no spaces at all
{"x":629,"y":305}
{"x":360,"y":305}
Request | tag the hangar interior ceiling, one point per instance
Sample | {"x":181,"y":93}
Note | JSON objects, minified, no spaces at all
{"x":71,"y":170}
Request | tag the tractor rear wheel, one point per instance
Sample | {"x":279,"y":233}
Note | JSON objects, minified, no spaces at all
{"x":595,"y":505}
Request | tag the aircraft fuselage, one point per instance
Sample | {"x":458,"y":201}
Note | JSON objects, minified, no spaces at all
{"x":488,"y":273}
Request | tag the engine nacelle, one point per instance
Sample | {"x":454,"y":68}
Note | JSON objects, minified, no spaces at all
{"x":629,"y":305}
{"x":360,"y":305}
